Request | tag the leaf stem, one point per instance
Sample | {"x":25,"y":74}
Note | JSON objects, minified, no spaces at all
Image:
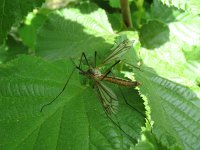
{"x":126,"y":13}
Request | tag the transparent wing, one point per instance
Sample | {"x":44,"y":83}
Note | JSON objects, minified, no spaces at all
{"x":107,"y":97}
{"x":110,"y":103}
{"x":118,"y":50}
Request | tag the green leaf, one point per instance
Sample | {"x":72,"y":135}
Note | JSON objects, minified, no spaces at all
{"x":68,"y":32}
{"x":11,"y":49}
{"x":174,"y":106}
{"x":174,"y":109}
{"x":114,"y":3}
{"x":33,"y":21}
{"x":116,"y":21}
{"x":148,"y":141}
{"x":192,"y":69}
{"x":12,"y":12}
{"x":170,"y":89}
{"x":192,"y":54}
{"x":184,"y":37}
{"x":171,"y":94}
{"x":164,"y":61}
{"x":168,"y":49}
{"x":184,"y":27}
{"x":154,"y":34}
{"x":76,"y":120}
{"x":192,"y":6}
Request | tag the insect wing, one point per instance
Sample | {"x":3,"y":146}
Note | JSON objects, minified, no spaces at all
{"x":108,"y":98}
{"x":119,"y":50}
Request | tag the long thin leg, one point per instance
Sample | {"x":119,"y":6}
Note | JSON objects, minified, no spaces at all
{"x":109,"y":69}
{"x":80,"y":60}
{"x":95,"y":59}
{"x":117,"y":124}
{"x":60,"y":91}
{"x":134,"y":107}
{"x":131,"y":65}
{"x":83,"y":55}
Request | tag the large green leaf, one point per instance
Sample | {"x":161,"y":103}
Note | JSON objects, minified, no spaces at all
{"x":183,"y":34}
{"x":76,"y":120}
{"x":184,"y":28}
{"x":11,"y":12}
{"x":174,"y":109}
{"x":168,"y":26}
{"x":70,"y":31}
{"x":172,"y":97}
{"x":170,"y":92}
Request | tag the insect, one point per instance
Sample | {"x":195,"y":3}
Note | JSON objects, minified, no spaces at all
{"x":122,"y":45}
{"x":107,"y":97}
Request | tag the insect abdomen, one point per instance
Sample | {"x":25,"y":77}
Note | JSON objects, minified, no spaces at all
{"x":119,"y":81}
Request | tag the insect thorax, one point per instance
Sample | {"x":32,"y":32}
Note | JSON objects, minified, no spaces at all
{"x":94,"y":71}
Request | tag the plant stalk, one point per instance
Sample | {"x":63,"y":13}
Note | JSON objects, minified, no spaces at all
{"x":125,"y":8}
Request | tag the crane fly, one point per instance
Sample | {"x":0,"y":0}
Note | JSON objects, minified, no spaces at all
{"x":107,"y":97}
{"x":119,"y":49}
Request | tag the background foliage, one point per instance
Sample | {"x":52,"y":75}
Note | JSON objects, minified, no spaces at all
{"x":38,"y":41}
